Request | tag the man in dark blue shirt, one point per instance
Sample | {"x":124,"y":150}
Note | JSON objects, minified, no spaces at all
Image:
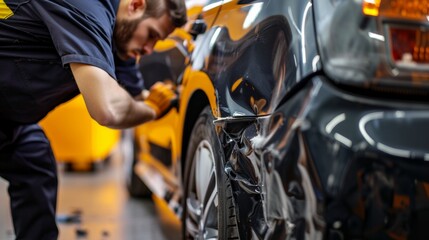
{"x":50,"y":51}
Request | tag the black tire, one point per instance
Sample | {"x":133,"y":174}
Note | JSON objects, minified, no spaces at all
{"x":135,"y":186}
{"x":204,"y":159}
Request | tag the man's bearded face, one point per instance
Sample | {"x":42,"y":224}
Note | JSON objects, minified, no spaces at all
{"x":123,"y":33}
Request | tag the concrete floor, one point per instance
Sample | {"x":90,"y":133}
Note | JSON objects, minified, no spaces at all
{"x":106,"y":211}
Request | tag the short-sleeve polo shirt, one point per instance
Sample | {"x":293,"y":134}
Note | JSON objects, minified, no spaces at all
{"x":38,"y":40}
{"x":72,"y":30}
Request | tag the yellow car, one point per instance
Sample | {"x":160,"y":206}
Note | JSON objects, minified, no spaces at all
{"x":77,"y":140}
{"x":155,"y":142}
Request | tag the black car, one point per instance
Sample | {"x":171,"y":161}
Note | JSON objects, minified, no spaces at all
{"x":300,"y":119}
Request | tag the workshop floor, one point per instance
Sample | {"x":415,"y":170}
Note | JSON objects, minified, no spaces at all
{"x":103,"y":209}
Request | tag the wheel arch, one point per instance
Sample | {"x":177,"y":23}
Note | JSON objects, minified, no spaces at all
{"x":199,"y":101}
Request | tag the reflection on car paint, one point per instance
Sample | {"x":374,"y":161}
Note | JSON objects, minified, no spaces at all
{"x":260,"y":80}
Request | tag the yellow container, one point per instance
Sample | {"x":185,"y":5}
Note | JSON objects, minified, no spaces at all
{"x":76,"y":138}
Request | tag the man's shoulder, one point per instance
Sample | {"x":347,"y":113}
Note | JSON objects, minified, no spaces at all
{"x":95,"y":8}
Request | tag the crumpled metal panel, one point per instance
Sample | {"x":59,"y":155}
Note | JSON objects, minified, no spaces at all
{"x":273,"y":186}
{"x":327,"y":165}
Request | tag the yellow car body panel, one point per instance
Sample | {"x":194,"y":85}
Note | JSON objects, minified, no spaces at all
{"x":160,"y":132}
{"x":194,"y":81}
{"x":238,"y":21}
{"x":75,"y":137}
{"x":160,"y":142}
{"x":167,"y":133}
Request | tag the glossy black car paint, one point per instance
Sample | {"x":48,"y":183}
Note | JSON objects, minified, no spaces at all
{"x":307,"y":158}
{"x":251,"y":75}
{"x":268,"y":60}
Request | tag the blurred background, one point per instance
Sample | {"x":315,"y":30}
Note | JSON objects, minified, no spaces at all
{"x":96,"y":205}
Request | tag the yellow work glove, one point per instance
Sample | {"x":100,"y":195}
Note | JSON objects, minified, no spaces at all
{"x":161,"y":98}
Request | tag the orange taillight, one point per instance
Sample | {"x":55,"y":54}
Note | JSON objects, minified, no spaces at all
{"x":371,"y":7}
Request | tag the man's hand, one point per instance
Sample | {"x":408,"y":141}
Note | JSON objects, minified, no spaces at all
{"x":161,"y":98}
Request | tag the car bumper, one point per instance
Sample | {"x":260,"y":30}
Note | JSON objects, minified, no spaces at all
{"x":328,"y":162}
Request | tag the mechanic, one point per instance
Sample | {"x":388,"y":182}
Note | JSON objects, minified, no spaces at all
{"x":50,"y":51}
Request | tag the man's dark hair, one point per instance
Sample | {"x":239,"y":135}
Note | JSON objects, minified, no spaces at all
{"x":176,"y":9}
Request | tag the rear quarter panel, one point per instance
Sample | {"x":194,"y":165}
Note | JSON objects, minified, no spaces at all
{"x":255,"y":53}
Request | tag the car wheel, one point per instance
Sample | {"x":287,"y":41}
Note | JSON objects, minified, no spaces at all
{"x":209,"y":211}
{"x":135,"y":186}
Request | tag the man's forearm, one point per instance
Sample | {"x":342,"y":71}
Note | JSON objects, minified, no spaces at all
{"x":138,"y":113}
{"x":107,"y":102}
